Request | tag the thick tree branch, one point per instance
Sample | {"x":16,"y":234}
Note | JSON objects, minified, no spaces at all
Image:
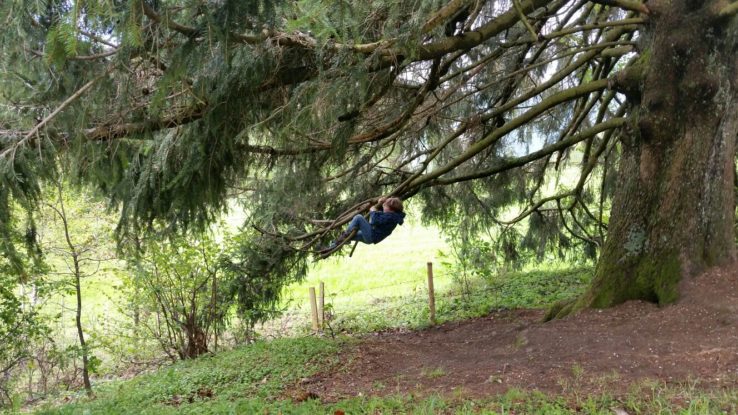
{"x":729,"y":10}
{"x":96,"y":56}
{"x":466,"y":40}
{"x":471,"y":39}
{"x":451,"y":9}
{"x":554,"y":79}
{"x":583,"y":59}
{"x":171,"y":24}
{"x":633,"y":5}
{"x":587,"y":27}
{"x":113,"y":131}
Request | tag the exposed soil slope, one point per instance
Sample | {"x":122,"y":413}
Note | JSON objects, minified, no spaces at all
{"x":592,"y":351}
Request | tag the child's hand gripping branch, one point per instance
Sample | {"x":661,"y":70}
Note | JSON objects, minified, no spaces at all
{"x":383,"y":219}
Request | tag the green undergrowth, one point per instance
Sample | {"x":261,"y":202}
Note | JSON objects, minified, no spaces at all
{"x":461,"y":300}
{"x":646,"y":398}
{"x":252,"y":374}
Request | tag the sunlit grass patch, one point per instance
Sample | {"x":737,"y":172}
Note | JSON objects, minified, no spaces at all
{"x":382,"y":299}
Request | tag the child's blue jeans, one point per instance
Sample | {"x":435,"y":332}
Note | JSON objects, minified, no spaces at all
{"x":364,"y":234}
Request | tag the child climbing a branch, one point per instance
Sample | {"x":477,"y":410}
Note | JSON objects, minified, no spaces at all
{"x":383,"y":219}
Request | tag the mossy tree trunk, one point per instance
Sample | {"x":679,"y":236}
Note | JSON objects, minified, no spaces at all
{"x":674,"y":208}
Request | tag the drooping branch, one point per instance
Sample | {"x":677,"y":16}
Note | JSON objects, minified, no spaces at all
{"x":536,"y":206}
{"x":171,"y":24}
{"x":37,"y":128}
{"x":112,"y":131}
{"x":526,"y":23}
{"x":495,"y":135}
{"x":188,"y":115}
{"x":98,"y":39}
{"x":536,"y":155}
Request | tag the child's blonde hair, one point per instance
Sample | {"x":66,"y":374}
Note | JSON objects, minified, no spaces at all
{"x":394,"y":203}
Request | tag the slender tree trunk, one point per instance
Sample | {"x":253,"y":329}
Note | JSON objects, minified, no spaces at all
{"x":213,"y":307}
{"x":80,"y":333}
{"x":673,"y":211}
{"x":78,"y":290}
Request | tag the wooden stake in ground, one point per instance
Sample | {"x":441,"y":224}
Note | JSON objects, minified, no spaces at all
{"x":321,"y":305}
{"x":314,"y":308}
{"x":431,"y":294}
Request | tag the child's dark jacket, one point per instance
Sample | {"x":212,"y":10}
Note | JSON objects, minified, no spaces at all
{"x":383,"y":223}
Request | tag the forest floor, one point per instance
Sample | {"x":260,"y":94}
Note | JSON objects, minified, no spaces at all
{"x":612,"y":350}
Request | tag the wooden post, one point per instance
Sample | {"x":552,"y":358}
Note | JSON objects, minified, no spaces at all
{"x":431,"y":294}
{"x":314,"y":307}
{"x":321,"y":305}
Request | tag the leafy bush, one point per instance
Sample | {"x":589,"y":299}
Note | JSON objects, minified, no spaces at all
{"x":19,"y":329}
{"x":181,"y":290}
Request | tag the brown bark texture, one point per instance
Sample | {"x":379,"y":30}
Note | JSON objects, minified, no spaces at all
{"x":673,"y":211}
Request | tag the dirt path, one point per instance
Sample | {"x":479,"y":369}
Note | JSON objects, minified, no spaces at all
{"x":593,"y":351}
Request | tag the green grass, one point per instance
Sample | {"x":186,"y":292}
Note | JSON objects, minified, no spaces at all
{"x":395,"y":266}
{"x":378,"y":287}
{"x":227,"y":382}
{"x":250,"y":381}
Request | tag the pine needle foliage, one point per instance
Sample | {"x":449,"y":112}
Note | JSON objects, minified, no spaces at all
{"x":490,"y":113}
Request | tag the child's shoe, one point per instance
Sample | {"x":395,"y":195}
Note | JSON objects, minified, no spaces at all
{"x":343,"y":236}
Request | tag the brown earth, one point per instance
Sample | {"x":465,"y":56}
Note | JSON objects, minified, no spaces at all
{"x":591,"y":352}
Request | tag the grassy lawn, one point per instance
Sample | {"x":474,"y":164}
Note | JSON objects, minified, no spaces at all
{"x":392,"y":268}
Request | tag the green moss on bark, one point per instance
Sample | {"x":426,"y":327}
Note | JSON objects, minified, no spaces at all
{"x":560,"y":309}
{"x":654,"y":279}
{"x":665,"y":275}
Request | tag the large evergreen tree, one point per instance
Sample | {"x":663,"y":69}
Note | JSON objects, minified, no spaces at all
{"x":317,"y":108}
